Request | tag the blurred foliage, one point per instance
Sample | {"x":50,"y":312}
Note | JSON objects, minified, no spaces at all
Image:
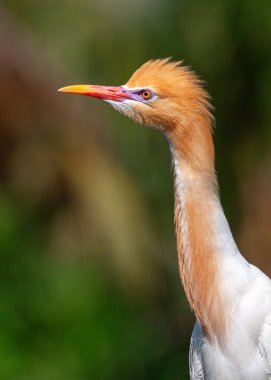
{"x":63,"y":320}
{"x":89,"y":280}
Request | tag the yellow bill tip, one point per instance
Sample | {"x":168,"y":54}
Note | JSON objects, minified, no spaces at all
{"x":77,"y":89}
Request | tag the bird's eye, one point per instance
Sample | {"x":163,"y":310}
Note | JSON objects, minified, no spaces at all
{"x":146,"y":94}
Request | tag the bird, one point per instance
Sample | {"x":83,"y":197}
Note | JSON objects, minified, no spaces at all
{"x":230,"y":297}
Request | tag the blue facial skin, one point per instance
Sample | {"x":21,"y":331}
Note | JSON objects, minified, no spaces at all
{"x":137,"y":95}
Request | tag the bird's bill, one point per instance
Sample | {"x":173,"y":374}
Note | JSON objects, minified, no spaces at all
{"x":117,"y":94}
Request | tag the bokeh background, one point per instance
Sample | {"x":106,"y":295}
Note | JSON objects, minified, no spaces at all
{"x":89,"y":285}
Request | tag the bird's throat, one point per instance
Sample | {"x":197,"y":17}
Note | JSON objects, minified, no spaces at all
{"x":200,"y":223}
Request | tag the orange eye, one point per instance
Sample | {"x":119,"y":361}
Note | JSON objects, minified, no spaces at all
{"x":146,"y":94}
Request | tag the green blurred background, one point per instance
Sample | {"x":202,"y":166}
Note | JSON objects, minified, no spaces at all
{"x":89,"y":285}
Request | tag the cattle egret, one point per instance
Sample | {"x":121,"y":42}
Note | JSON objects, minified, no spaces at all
{"x":231,"y":298}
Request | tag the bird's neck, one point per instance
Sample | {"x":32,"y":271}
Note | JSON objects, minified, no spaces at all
{"x":203,"y":235}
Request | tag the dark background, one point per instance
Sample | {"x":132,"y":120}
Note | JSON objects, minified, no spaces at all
{"x":89,"y":285}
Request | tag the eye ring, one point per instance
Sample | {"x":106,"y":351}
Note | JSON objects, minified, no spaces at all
{"x":146,"y":94}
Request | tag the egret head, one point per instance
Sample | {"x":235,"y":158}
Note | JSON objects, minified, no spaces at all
{"x":161,"y":93}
